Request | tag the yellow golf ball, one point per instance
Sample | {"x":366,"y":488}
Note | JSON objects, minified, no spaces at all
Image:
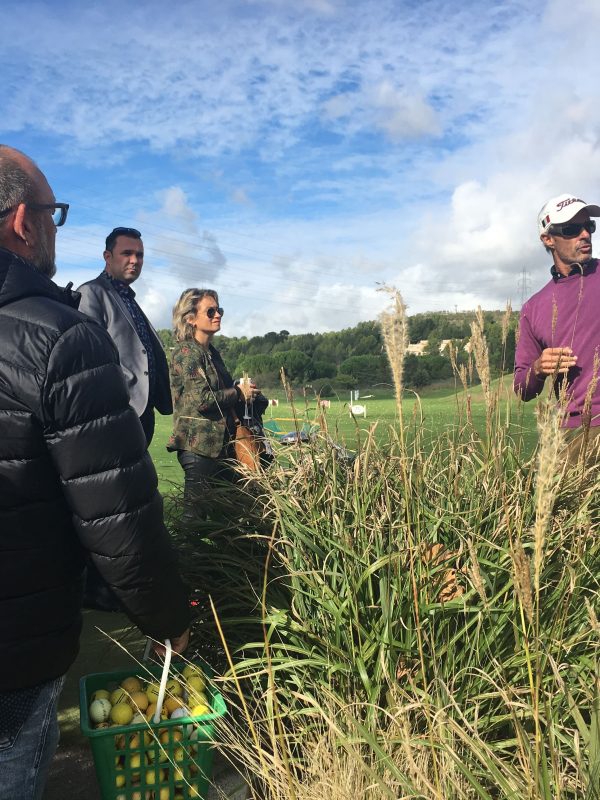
{"x":174,"y":733}
{"x":191,"y":669}
{"x":196,"y":683}
{"x":171,"y":703}
{"x":174,"y":688}
{"x":139,"y":700}
{"x":149,"y":712}
{"x":131,"y":684}
{"x":136,"y":761}
{"x":121,"y":714}
{"x":152,"y":691}
{"x":197,"y":699}
{"x":101,"y":694}
{"x":199,"y":710}
{"x":151,"y":777}
{"x":118,"y":696}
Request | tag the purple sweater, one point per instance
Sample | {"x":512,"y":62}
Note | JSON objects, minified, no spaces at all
{"x":565,"y":313}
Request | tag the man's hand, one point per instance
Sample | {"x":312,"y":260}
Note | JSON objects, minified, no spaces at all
{"x":178,"y":644}
{"x":554,"y":360}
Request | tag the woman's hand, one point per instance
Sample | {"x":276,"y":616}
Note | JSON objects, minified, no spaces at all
{"x":248,"y":390}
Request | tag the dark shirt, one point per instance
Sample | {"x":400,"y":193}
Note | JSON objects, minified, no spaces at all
{"x":576,"y":269}
{"x":141,"y":326}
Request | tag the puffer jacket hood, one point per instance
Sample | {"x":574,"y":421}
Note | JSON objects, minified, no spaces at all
{"x":76,"y":482}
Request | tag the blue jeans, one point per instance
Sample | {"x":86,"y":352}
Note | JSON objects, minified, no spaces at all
{"x":25,"y":759}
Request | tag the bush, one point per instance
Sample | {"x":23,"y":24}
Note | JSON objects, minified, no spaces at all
{"x":343,"y":382}
{"x":323,"y":388}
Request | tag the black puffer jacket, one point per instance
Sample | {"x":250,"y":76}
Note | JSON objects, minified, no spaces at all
{"x":74,"y":476}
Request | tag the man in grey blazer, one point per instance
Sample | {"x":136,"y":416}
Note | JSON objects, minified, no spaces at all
{"x":110,"y":300}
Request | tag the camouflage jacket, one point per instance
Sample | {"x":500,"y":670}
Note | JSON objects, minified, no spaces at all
{"x":203,"y":399}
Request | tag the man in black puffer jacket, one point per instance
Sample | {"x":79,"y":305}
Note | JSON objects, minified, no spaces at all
{"x":76,"y":481}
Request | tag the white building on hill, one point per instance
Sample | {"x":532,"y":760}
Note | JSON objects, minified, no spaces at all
{"x":419,"y":348}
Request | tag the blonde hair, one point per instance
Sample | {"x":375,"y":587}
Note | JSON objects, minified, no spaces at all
{"x":185,"y":307}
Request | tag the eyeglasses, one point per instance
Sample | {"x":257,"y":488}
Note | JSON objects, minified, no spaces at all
{"x":210,"y":312}
{"x":126,"y":232}
{"x":569,"y":230}
{"x":59,"y":211}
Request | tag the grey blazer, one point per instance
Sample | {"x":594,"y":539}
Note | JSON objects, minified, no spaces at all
{"x":101,"y":301}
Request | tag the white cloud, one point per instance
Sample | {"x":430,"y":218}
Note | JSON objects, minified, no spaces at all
{"x":341,"y":105}
{"x":402,"y":114}
{"x":176,"y":208}
{"x":177,"y":245}
{"x":312,"y":149}
{"x":398,"y":112}
{"x":227,"y":80}
{"x":240,"y":196}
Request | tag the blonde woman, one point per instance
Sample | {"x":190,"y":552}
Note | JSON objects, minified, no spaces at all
{"x":205,"y":400}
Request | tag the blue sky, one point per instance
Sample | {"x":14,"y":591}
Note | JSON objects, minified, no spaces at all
{"x":297,"y":155}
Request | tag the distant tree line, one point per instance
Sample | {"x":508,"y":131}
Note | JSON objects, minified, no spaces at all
{"x":355,"y":357}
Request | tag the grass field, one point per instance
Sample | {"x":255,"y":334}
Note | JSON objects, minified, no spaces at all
{"x":437,"y":409}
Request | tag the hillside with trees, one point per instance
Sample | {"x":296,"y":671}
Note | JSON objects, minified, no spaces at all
{"x":355,"y":357}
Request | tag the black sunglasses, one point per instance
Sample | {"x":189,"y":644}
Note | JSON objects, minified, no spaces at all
{"x":569,"y":230}
{"x":59,"y":211}
{"x":210,"y":312}
{"x":126,"y":232}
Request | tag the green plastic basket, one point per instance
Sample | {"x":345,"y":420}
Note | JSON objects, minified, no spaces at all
{"x":165,"y":761}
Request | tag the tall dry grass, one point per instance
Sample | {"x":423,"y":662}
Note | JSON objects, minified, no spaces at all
{"x":416,"y":622}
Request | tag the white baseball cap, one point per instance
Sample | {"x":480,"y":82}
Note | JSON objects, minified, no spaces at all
{"x":562,"y":209}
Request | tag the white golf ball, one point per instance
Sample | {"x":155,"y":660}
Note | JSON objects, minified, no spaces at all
{"x":100,"y":710}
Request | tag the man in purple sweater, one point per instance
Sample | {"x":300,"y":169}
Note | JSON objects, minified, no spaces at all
{"x":559,"y":333}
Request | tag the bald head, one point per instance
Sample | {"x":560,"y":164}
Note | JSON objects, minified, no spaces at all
{"x":16,"y":178}
{"x":25,"y":231}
